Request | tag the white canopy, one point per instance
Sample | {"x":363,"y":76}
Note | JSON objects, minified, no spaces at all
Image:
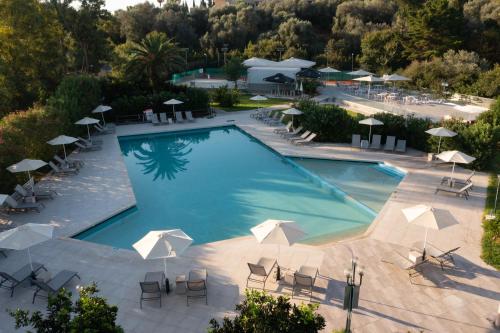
{"x":163,"y":244}
{"x":293,"y":112}
{"x":102,"y":108}
{"x":258,"y":98}
{"x":26,"y":165}
{"x":395,"y":77}
{"x":441,"y":132}
{"x":62,"y":140}
{"x":278,"y":232}
{"x":259,"y":62}
{"x":173,"y":102}
{"x":371,"y":122}
{"x":25,"y":236}
{"x":328,"y":70}
{"x":2,"y":198}
{"x":429,"y":218}
{"x":369,"y":78}
{"x":295,"y":62}
{"x":87,"y":121}
{"x":455,"y":156}
{"x":360,"y":72}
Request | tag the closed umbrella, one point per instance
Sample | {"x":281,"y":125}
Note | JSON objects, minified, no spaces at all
{"x":442,"y":133}
{"x":163,"y":244}
{"x":87,"y":121}
{"x":25,"y":236}
{"x":173,"y":102}
{"x":293,"y":112}
{"x":278,"y":232}
{"x":27,"y":165}
{"x":62,"y":140}
{"x":429,"y":218}
{"x":369,"y":79}
{"x":101,"y":109}
{"x":455,"y":156}
{"x":371,"y":122}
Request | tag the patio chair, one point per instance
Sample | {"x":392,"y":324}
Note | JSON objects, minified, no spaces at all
{"x":87,"y":148}
{"x":154,"y":119}
{"x":77,"y":164}
{"x":304,"y":279}
{"x":356,"y":141}
{"x":465,"y":181}
{"x":38,"y":193}
{"x":62,"y":171}
{"x":284,"y":129}
{"x":375,"y":143}
{"x":150,"y":291}
{"x":54,"y":285}
{"x":260,"y":272}
{"x":463,"y":191}
{"x":306,"y":140}
{"x":11,"y":281}
{"x":20,"y":206}
{"x":87,"y":142}
{"x":390,"y":143}
{"x":299,"y":137}
{"x":189,"y":116}
{"x":163,"y":118}
{"x":442,"y":257}
{"x":401,"y":146}
{"x":196,"y":285}
{"x":101,"y":130}
{"x":178,"y":117}
{"x":271,"y":118}
{"x":291,"y":134}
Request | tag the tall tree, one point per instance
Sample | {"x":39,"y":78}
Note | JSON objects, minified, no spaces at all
{"x":155,"y":58}
{"x":233,"y":69}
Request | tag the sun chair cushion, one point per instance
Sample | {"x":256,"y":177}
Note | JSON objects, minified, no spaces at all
{"x":22,"y":273}
{"x":61,"y":279}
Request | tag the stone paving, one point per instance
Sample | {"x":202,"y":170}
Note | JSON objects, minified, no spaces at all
{"x":459,"y":298}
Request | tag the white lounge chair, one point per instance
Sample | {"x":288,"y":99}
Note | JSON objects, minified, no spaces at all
{"x":101,"y":130}
{"x":306,"y":140}
{"x":390,"y":143}
{"x":375,"y":144}
{"x":300,"y":137}
{"x":356,"y":141}
{"x":17,"y":206}
{"x":38,"y":193}
{"x":77,"y":164}
{"x":260,"y":272}
{"x":276,"y":122}
{"x":189,"y":116}
{"x":87,"y":148}
{"x":284,"y":129}
{"x":163,"y":118}
{"x":86,"y":142}
{"x":62,"y":171}
{"x":465,"y":181}
{"x":178,"y":117}
{"x":401,"y":146}
{"x":291,"y":134}
{"x":154,"y":119}
{"x":463,"y":191}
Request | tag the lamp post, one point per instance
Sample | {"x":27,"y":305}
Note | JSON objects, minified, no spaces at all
{"x":351,"y":296}
{"x":280,"y":50}
{"x":224,"y":50}
{"x":352,"y":62}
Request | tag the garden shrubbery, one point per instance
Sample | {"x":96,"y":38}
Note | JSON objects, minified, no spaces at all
{"x":226,"y":97}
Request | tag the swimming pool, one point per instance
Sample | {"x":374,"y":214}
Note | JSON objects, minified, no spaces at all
{"x":217,"y":183}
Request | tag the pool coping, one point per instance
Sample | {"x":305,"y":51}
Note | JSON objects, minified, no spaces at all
{"x":287,"y":158}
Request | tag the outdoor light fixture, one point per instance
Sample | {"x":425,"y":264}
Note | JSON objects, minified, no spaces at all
{"x":351,"y":295}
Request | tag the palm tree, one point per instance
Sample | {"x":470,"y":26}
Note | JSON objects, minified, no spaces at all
{"x":155,"y":58}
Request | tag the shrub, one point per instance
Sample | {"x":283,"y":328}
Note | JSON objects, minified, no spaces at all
{"x":491,"y":242}
{"x":260,"y":313}
{"x":310,"y":86}
{"x":89,"y":314}
{"x":226,"y":97}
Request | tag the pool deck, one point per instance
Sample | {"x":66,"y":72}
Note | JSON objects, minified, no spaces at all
{"x":459,"y":299}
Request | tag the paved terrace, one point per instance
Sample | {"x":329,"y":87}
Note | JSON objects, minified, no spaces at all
{"x":458,"y":299}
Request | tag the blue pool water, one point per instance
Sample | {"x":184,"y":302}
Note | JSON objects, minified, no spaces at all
{"x":217,"y":183}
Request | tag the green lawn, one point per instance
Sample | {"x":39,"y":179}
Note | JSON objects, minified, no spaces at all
{"x":247,"y":104}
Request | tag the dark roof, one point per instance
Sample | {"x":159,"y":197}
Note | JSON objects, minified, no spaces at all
{"x":279,"y":78}
{"x":309,"y":73}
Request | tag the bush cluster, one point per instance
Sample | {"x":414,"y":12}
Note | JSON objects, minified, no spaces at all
{"x":491,"y":242}
{"x":226,"y":97}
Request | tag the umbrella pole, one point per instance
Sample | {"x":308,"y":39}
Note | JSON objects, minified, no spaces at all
{"x":173,"y":112}
{"x":370,"y":135}
{"x":103,"y":121}
{"x":278,"y":272}
{"x":165,"y":266}
{"x":64,"y":149}
{"x":452,"y":172}
{"x":31,"y":183}
{"x":425,"y":243}
{"x":29,"y":258}
{"x":88,"y":133}
{"x":439,"y":144}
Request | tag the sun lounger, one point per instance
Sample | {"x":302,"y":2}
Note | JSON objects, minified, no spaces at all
{"x":189,"y":116}
{"x":62,"y":171}
{"x":196,"y":285}
{"x":291,"y":134}
{"x":261,"y":271}
{"x":163,"y":118}
{"x":38,"y":193}
{"x":154,"y":119}
{"x":284,"y":129}
{"x":86,"y":142}
{"x":306,"y":140}
{"x":54,"y":285}
{"x":77,"y":164}
{"x":466,"y":181}
{"x":463,"y":191}
{"x":404,"y":263}
{"x":152,"y":286}
{"x":276,"y":122}
{"x":17,"y":206}
{"x":108,"y":127}
{"x":401,"y":146}
{"x":300,"y":137}
{"x":11,"y":281}
{"x":178,"y":117}
{"x":272,"y":118}
{"x":442,"y":257}
{"x":390,"y":143}
{"x":356,"y":141}
{"x":305,"y":279}
{"x":375,"y":143}
{"x":87,"y":148}
{"x":101,"y":130}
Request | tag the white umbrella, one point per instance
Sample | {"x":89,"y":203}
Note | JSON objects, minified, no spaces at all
{"x":429,"y":218}
{"x":395,"y":78}
{"x":101,"y":109}
{"x":293,"y":112}
{"x":455,"y":156}
{"x":87,"y":121}
{"x":62,"y":140}
{"x":258,"y":98}
{"x":2,"y":198}
{"x":441,"y":132}
{"x":27,"y":165}
{"x":25,"y":236}
{"x":328,"y":70}
{"x":371,"y":122}
{"x":369,"y":79}
{"x":360,"y":72}
{"x":163,"y":244}
{"x":278,"y":232}
{"x":173,"y":102}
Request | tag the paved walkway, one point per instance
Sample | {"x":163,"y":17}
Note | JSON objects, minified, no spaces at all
{"x":458,"y":299}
